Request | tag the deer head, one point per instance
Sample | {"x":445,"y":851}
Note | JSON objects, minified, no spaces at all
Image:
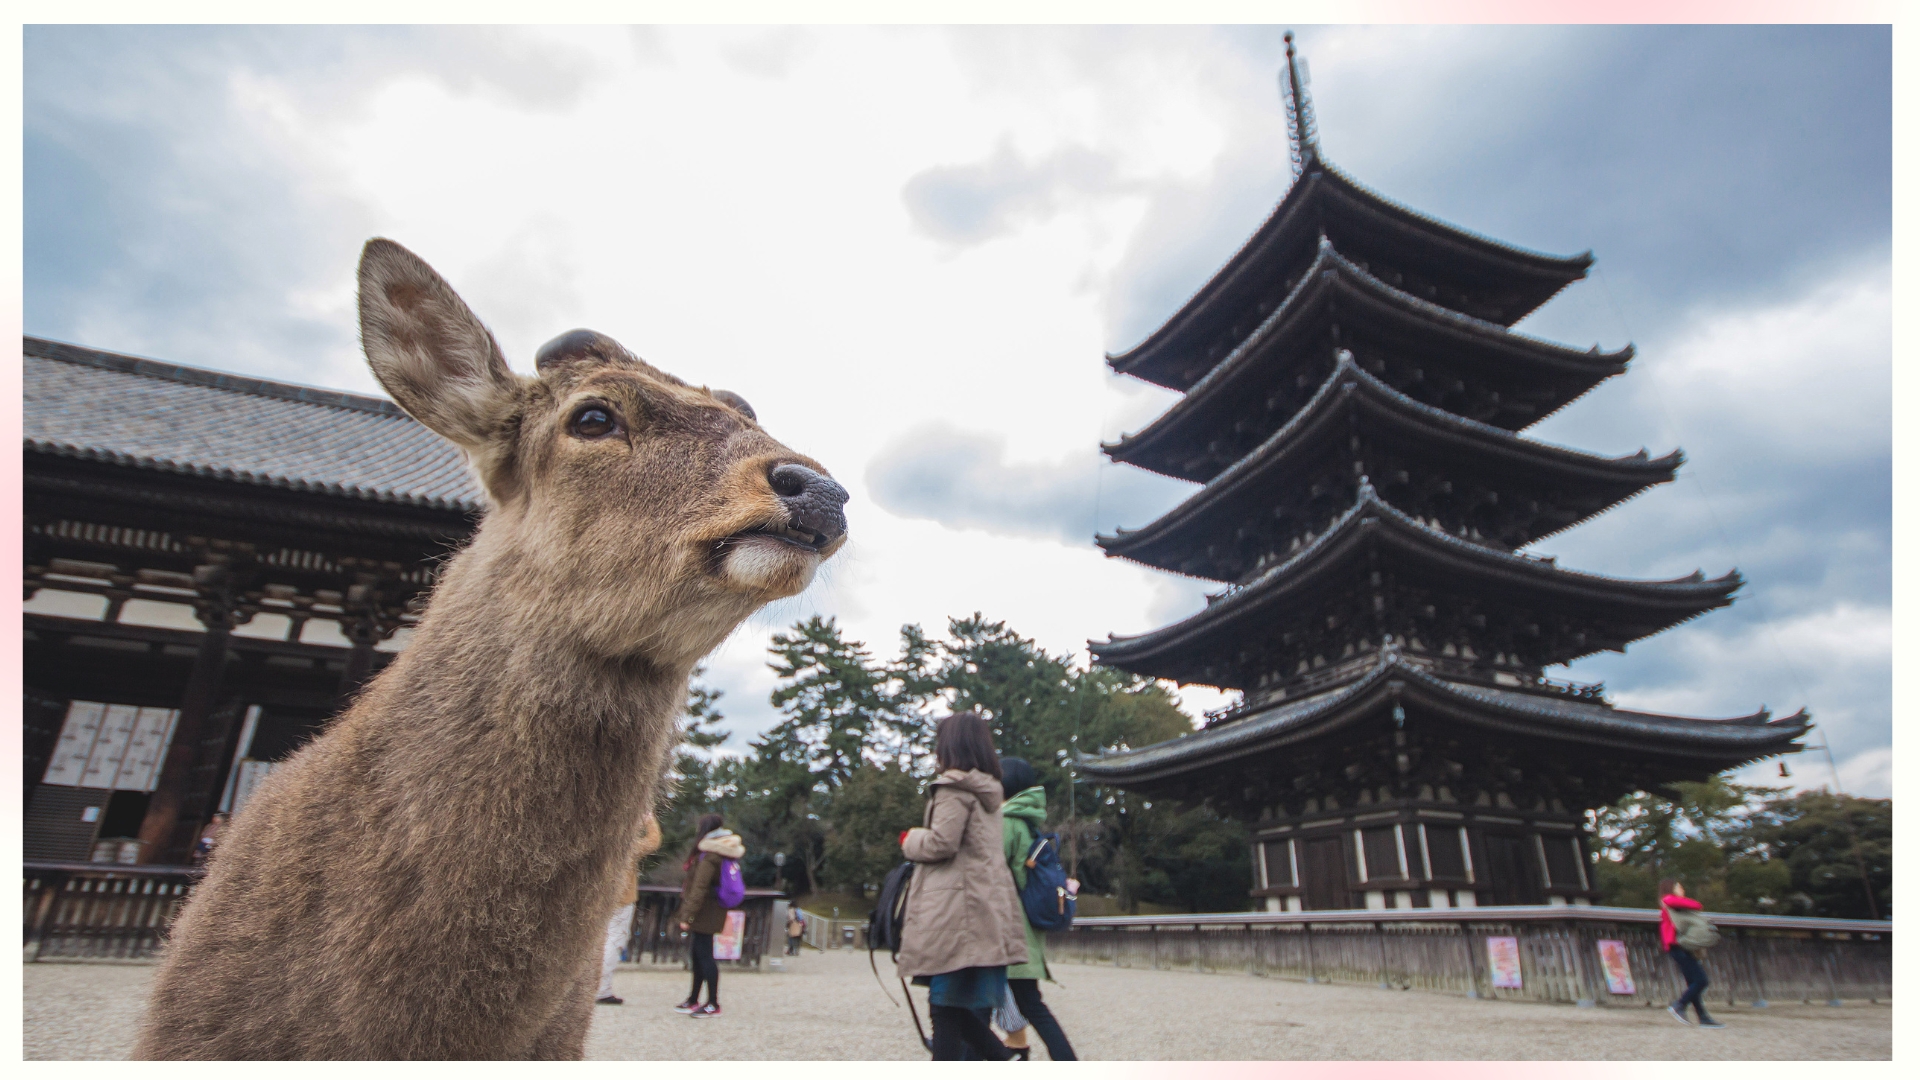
{"x":632,"y":514}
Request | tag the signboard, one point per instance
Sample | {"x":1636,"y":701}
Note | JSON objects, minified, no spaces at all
{"x":111,"y":747}
{"x":726,"y":943}
{"x":1503,"y":962}
{"x":1613,"y":960}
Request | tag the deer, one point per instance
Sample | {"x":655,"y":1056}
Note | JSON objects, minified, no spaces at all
{"x":430,"y":877}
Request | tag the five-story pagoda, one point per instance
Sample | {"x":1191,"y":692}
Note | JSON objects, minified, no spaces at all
{"x":1352,"y":401}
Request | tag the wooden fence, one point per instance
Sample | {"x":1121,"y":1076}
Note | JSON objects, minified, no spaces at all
{"x":100,"y":911}
{"x":1553,"y":953}
{"x":106,"y":911}
{"x":658,"y":939}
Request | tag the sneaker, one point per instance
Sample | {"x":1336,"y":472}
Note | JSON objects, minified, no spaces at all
{"x":687,"y":1006}
{"x":1678,"y":1015}
{"x":1710,"y":1022}
{"x":705,"y":1012}
{"x":610,"y":1000}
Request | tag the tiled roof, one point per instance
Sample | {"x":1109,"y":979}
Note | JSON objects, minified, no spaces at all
{"x":103,"y":406}
{"x":1659,"y":605}
{"x":1738,"y":739}
{"x":1486,"y":439}
{"x":1321,"y":179}
{"x":1331,"y":274}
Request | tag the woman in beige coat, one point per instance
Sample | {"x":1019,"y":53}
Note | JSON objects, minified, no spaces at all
{"x":963,"y":924}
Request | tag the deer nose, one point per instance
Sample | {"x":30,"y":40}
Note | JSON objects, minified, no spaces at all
{"x":813,"y":502}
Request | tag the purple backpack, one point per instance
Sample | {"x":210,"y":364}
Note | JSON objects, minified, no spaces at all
{"x":731,"y":890}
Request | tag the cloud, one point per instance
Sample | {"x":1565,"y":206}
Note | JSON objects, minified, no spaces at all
{"x":167,"y":212}
{"x":963,"y":480}
{"x":968,"y":204}
{"x":1835,"y":662}
{"x":769,"y":53}
{"x":1868,"y":773}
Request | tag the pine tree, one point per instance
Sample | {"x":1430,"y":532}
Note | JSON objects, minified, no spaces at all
{"x":834,"y":697}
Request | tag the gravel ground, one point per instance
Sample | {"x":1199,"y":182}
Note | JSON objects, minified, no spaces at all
{"x":828,"y":1007}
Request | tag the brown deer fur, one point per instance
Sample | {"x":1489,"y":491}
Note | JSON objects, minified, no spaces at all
{"x":432,"y":876}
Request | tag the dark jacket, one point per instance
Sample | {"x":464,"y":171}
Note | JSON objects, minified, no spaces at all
{"x":699,"y":895}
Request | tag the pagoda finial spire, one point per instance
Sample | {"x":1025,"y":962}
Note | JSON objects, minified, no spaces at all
{"x":1303,"y":135}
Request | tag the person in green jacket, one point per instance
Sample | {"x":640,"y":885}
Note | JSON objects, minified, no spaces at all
{"x":1024,"y":814}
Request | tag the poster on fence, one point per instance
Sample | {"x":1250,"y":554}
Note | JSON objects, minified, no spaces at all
{"x":1503,"y":962}
{"x":726,"y":943}
{"x":1613,"y":960}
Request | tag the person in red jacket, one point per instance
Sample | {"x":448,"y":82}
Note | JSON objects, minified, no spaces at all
{"x":1674,"y":895}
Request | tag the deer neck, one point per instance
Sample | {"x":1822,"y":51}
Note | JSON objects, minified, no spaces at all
{"x":493,"y":686}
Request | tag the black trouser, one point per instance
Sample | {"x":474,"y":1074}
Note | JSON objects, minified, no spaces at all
{"x":1026,"y":995}
{"x":957,"y":1030}
{"x":705,"y":970}
{"x":1696,"y":976}
{"x":793,"y":946}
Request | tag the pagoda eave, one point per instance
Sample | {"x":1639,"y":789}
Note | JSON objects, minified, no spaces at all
{"x":1685,"y":742}
{"x":1562,"y":374}
{"x":1642,"y":608}
{"x":1351,"y":397}
{"x":1531,"y":278}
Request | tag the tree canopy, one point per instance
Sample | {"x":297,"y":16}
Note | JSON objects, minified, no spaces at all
{"x":1743,"y":848}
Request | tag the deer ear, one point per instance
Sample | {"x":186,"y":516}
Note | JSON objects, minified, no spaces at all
{"x":429,"y":349}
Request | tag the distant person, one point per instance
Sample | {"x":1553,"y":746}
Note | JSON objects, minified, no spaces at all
{"x":963,"y":924}
{"x":620,"y":927}
{"x":1673,"y":897}
{"x":208,"y":839}
{"x":1025,"y":813}
{"x":701,"y":914}
{"x":796,"y":929}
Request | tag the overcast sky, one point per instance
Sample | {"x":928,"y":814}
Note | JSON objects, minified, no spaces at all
{"x":909,"y":248}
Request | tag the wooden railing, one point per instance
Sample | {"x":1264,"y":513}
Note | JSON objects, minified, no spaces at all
{"x":825,"y":932}
{"x":1760,"y":958}
{"x":100,"y":911}
{"x":658,"y":939}
{"x":105,"y":911}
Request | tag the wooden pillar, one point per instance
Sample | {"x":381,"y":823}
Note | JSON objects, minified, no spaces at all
{"x":370,"y":617}
{"x":174,"y":812}
{"x":364,"y":632}
{"x":1473,"y":964}
{"x":1380,"y":929}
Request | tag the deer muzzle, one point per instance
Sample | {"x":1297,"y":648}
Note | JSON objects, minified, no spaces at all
{"x":815,"y":503}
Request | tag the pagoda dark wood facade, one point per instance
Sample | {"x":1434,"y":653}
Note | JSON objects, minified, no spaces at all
{"x":1352,"y":403}
{"x":213,"y":564}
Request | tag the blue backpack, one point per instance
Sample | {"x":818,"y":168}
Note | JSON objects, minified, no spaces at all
{"x":1045,"y":898}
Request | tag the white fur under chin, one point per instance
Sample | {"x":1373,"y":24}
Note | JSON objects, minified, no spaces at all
{"x":766,"y":564}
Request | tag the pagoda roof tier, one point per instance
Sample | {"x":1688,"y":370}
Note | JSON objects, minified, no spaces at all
{"x":1353,"y":403}
{"x":1666,"y":747}
{"x":1455,"y":268}
{"x":1466,"y":365}
{"x":1586,"y":613}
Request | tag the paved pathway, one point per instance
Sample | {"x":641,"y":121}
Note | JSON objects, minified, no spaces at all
{"x":828,"y":1007}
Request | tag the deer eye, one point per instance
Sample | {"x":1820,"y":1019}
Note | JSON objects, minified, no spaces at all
{"x":594,"y":422}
